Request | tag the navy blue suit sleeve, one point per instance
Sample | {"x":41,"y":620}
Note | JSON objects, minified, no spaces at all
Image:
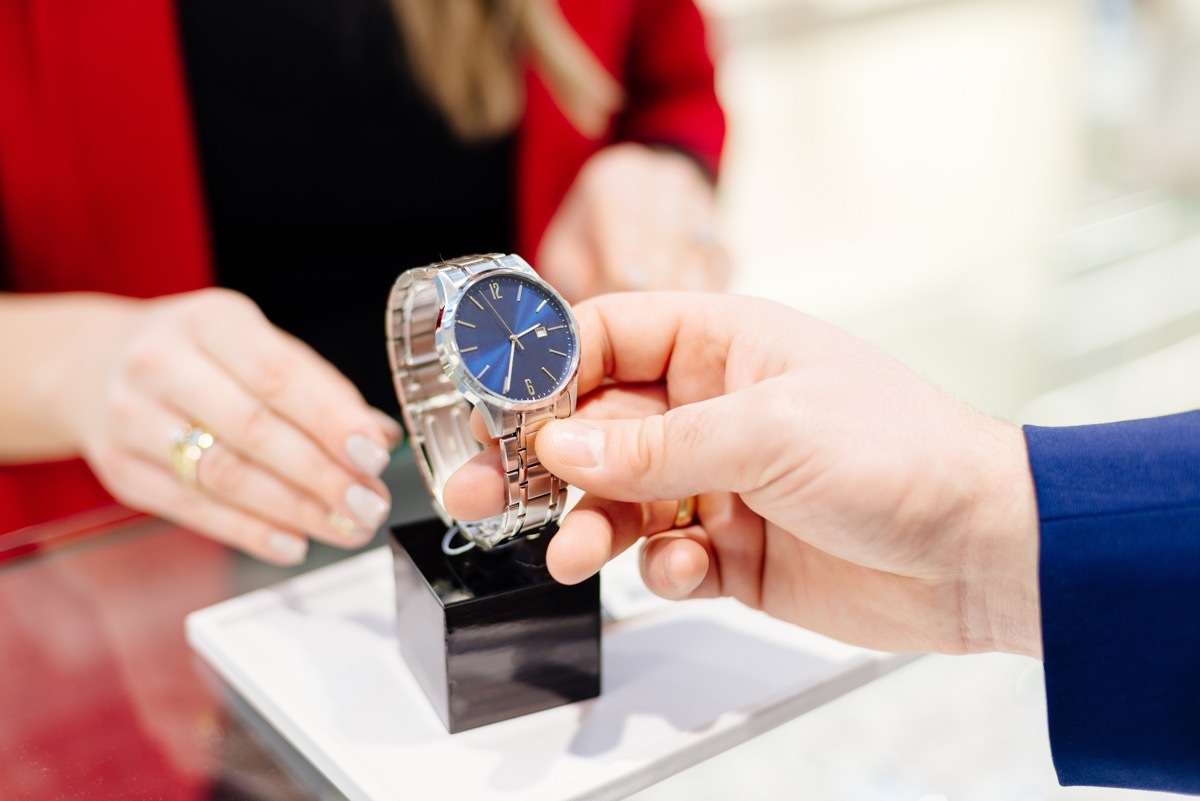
{"x":1119,"y":507}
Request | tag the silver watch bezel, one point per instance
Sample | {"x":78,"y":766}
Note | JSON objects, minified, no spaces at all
{"x":455,"y":367}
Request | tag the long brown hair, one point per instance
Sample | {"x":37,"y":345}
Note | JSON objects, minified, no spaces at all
{"x":467,"y":56}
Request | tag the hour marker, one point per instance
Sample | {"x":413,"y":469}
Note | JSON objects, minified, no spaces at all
{"x":520,"y":288}
{"x":547,"y":372}
{"x":557,"y":352}
{"x":540,"y":305}
{"x":464,"y":322}
{"x":555,"y":328}
{"x":473,"y":347}
{"x":486,"y":367}
{"x":477,"y":303}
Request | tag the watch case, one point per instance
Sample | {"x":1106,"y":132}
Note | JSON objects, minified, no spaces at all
{"x":495,"y":409}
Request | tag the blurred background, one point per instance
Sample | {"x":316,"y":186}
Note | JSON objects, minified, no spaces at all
{"x":1003,"y":193}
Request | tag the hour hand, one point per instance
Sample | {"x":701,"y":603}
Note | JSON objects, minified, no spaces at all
{"x":533,"y":327}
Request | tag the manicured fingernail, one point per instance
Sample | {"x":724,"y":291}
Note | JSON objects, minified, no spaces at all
{"x":577,"y":444}
{"x":288,"y":547}
{"x":368,"y":455}
{"x":391,"y":428}
{"x":635,"y":276}
{"x":370,"y":509}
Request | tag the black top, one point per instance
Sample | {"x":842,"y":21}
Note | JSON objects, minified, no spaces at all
{"x":327,"y":172}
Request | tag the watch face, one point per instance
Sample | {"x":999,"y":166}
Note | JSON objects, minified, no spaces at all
{"x":515,"y":337}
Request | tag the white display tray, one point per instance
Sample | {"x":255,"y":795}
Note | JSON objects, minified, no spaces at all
{"x":317,"y":657}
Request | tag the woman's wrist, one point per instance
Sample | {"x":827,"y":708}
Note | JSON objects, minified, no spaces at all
{"x":86,"y":329}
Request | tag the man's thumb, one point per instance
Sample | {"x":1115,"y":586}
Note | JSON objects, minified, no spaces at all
{"x":699,"y":447}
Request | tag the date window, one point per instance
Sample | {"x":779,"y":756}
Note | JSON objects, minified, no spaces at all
{"x":540,"y":333}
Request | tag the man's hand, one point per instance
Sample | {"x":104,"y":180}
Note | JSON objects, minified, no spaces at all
{"x":838,"y":489}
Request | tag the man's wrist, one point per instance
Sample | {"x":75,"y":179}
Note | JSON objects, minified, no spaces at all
{"x":1001,"y":608}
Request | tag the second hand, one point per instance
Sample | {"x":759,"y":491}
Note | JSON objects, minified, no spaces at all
{"x":511,"y":335}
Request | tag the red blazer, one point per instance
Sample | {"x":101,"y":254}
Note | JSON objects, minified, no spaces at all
{"x":99,"y":180}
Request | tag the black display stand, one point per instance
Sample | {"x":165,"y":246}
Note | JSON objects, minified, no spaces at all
{"x":490,"y":635}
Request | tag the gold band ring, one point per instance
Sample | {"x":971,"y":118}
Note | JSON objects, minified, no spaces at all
{"x":188,"y":444}
{"x":340,"y":523}
{"x":685,"y":512}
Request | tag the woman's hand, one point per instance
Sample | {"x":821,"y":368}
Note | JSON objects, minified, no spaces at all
{"x":296,"y":453}
{"x":635,"y":218}
{"x":838,"y":489}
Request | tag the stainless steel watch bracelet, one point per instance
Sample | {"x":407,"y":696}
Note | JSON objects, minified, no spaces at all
{"x":437,"y":414}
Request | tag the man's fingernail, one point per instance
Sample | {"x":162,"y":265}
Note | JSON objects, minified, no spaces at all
{"x":578,"y":444}
{"x":367,"y":454}
{"x":668,"y":574}
{"x":368,"y":507}
{"x":288,"y":547}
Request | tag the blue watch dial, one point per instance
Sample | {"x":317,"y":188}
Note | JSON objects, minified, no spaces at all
{"x":515,"y":337}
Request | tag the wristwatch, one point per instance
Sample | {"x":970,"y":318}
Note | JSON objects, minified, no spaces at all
{"x":484,"y":331}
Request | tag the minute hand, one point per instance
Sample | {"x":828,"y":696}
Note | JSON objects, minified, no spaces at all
{"x":511,"y":335}
{"x":512,"y":350}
